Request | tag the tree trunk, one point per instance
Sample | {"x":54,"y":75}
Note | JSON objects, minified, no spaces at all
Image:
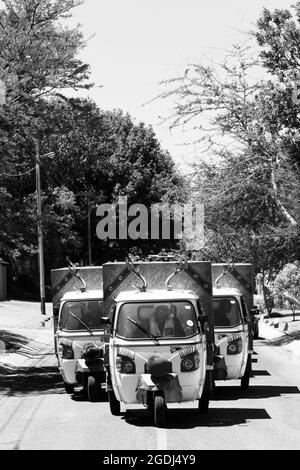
{"x":280,"y":206}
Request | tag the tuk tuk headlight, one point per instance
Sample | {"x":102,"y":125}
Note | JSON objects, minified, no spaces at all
{"x":125,"y":365}
{"x":235,"y":346}
{"x":190,"y":362}
{"x":66,"y":351}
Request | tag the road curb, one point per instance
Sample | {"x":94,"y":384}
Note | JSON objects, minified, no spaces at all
{"x":267,"y":331}
{"x":273,"y":330}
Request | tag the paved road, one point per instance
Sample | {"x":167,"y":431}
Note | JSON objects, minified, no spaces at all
{"x":36,"y":413}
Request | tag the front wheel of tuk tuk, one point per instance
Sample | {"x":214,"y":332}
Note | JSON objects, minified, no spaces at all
{"x":114,"y":404}
{"x":93,"y":389}
{"x":159,"y":411}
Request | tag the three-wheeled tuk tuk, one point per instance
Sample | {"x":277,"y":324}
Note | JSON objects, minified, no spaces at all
{"x":232,"y":305}
{"x":161,"y":344}
{"x":79,"y":329}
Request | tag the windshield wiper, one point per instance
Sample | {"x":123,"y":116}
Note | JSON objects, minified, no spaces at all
{"x":80,"y":321}
{"x":150,"y":335}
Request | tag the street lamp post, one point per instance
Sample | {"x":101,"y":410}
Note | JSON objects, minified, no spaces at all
{"x":39,"y":223}
{"x":89,"y":233}
{"x":40,"y":227}
{"x":90,"y":203}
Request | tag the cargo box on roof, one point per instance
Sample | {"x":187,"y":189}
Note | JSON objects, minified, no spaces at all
{"x":63,"y":280}
{"x":238,"y":276}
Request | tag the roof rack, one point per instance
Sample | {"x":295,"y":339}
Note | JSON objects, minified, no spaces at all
{"x":132,"y":268}
{"x":182,"y":266}
{"x":225,"y":271}
{"x":75,"y":271}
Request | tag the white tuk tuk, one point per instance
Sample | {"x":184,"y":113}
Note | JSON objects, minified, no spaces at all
{"x":232,"y":303}
{"x":79,"y":335}
{"x":160,"y":348}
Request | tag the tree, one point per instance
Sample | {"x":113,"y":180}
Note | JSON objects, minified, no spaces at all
{"x":250,"y":186}
{"x":99,"y":156}
{"x":38,"y":54}
{"x":287,"y":286}
{"x":38,"y":58}
{"x":102,"y":155}
{"x":278,"y":36}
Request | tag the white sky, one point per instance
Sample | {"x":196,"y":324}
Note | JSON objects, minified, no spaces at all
{"x":138,"y":43}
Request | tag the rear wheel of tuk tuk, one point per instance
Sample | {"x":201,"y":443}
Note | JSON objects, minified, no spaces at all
{"x":159,"y":411}
{"x":246,"y":377}
{"x":69,"y":388}
{"x":94,"y":389}
{"x":114,"y":404}
{"x":203,"y":402}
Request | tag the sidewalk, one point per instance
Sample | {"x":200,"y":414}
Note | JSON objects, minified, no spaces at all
{"x":282,"y":331}
{"x":23,"y":338}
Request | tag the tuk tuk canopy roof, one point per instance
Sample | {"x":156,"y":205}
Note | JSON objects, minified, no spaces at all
{"x":226,"y":291}
{"x":87,"y":295}
{"x":155,"y":295}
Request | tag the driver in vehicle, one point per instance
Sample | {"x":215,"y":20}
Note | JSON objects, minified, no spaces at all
{"x":223,"y":314}
{"x":93,"y":314}
{"x":165,"y":322}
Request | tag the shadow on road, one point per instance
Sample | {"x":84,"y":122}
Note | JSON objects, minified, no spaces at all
{"x":288,"y":338}
{"x":189,"y":418}
{"x":259,"y":372}
{"x":258,"y":391}
{"x":12,"y":341}
{"x":33,"y":381}
{"x":287,"y":313}
{"x":81,"y":395}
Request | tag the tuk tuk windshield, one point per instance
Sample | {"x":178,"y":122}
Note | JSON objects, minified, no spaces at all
{"x":227,"y":312}
{"x":158,"y":319}
{"x":88,"y":311}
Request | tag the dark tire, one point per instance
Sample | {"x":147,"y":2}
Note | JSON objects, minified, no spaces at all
{"x":203,"y":402}
{"x":246,"y":377}
{"x":93,"y":389}
{"x":114,"y":404}
{"x":150,"y":402}
{"x":159,"y":411}
{"x":255,"y":333}
{"x":69,"y":388}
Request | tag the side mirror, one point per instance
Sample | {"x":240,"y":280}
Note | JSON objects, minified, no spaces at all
{"x":56,"y":311}
{"x":107,"y":326}
{"x":202,"y":320}
{"x":254,"y":310}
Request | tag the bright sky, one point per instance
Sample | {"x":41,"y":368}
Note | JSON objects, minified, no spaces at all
{"x":138,"y":43}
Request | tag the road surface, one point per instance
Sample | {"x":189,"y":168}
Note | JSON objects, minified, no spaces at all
{"x":37,"y":414}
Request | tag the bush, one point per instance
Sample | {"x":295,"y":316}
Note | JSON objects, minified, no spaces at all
{"x":286,"y":291}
